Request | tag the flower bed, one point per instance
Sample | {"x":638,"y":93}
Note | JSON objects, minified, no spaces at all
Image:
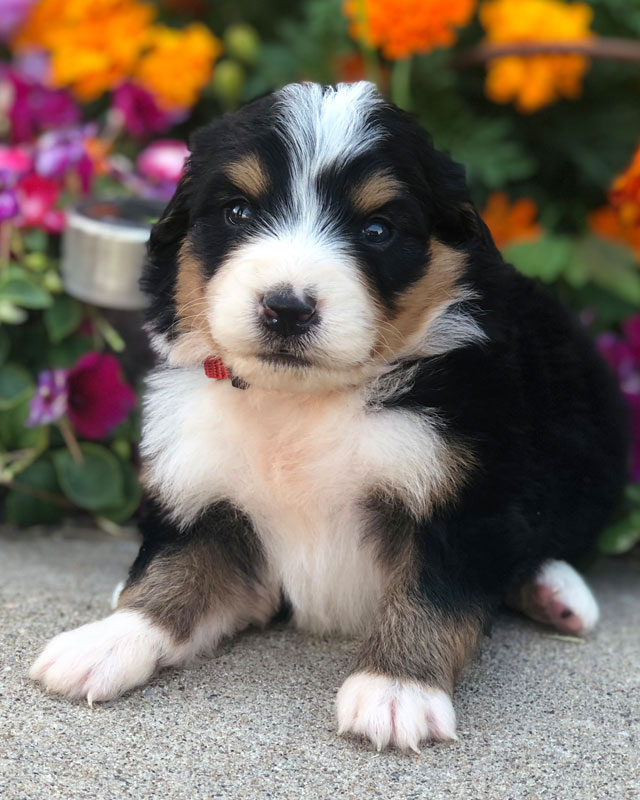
{"x":538,"y":99}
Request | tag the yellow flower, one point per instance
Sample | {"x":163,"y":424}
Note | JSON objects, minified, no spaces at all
{"x":177,"y":64}
{"x":537,"y":80}
{"x":403,"y":27}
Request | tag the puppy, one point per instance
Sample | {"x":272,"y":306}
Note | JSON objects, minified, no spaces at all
{"x":362,"y":413}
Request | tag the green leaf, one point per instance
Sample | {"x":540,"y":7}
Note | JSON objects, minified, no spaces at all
{"x":11,"y":313}
{"x":24,"y":508}
{"x":62,"y":318}
{"x":5,"y":345}
{"x":546,"y":258}
{"x":15,"y":385}
{"x":66,"y":353}
{"x":606,"y":264}
{"x":622,"y":536}
{"x":132,"y":494}
{"x":25,"y":293}
{"x":36,"y":240}
{"x":97,"y":483}
{"x":15,"y":436}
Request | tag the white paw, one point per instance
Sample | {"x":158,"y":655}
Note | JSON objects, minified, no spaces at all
{"x":103,"y":659}
{"x":559,"y":596}
{"x":390,"y":711}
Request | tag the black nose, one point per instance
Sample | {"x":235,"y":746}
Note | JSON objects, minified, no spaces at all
{"x":287,"y":314}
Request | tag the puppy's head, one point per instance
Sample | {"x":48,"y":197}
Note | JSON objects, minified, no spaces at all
{"x":315,"y":237}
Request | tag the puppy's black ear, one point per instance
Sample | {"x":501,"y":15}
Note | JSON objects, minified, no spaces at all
{"x":161,"y":267}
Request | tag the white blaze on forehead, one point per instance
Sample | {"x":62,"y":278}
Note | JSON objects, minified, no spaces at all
{"x":324,"y":127}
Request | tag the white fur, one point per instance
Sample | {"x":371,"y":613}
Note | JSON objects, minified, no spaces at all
{"x":570,"y":589}
{"x":115,"y":596}
{"x":323,"y":127}
{"x":104,"y":659}
{"x":347,"y":330}
{"x":300,"y":467}
{"x":390,"y":711}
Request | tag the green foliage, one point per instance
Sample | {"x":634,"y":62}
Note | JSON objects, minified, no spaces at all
{"x":96,"y":483}
{"x":16,"y":385}
{"x":62,"y":318}
{"x":46,"y":506}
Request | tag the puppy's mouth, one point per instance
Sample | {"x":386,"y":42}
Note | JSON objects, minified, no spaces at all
{"x":285,"y":359}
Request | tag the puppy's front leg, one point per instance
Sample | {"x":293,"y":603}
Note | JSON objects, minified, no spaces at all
{"x":186,"y":590}
{"x":400,"y":690}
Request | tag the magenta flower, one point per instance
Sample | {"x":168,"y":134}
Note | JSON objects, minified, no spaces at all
{"x":34,"y":107}
{"x":49,"y":401}
{"x":99,"y":399}
{"x":623,"y":356}
{"x":37,"y":197}
{"x":12,"y":13}
{"x":14,"y":163}
{"x":8,"y":204}
{"x":141,"y":115}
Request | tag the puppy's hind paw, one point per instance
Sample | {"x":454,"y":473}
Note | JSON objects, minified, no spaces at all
{"x":101,"y":660}
{"x":558,"y":596}
{"x":391,"y":711}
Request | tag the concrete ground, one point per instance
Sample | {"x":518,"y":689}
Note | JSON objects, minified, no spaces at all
{"x":538,"y":717}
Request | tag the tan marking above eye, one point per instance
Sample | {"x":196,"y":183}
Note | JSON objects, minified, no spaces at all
{"x":249,"y":175}
{"x":374,"y":191}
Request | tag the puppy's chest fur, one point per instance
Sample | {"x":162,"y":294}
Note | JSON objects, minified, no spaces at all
{"x":302,"y":468}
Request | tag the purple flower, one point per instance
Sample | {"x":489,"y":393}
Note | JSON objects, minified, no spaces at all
{"x":8,"y":204}
{"x":57,"y":152}
{"x":51,"y":398}
{"x":12,"y":12}
{"x":35,"y":108}
{"x":140,"y":113}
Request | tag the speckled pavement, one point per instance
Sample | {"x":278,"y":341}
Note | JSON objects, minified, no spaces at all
{"x":538,"y":717}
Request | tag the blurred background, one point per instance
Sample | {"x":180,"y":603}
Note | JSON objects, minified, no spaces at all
{"x":539,"y":99}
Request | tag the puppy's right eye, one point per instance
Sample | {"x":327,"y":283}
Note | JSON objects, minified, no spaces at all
{"x":239,"y":213}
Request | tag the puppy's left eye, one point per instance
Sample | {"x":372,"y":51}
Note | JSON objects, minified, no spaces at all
{"x":238,"y":213}
{"x":376,"y":231}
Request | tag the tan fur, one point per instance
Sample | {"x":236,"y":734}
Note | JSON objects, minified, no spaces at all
{"x":180,"y":590}
{"x":195,"y":342}
{"x":249,"y":175}
{"x":417,"y":308}
{"x":416,"y":640}
{"x":374,"y":191}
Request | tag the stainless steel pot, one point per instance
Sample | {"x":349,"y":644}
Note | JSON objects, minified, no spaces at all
{"x":103,"y":251}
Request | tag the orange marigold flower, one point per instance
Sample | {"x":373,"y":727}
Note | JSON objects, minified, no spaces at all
{"x":178,"y":63}
{"x":537,"y":80}
{"x":606,"y":222}
{"x":403,"y":27}
{"x":510,"y":222}
{"x":624,"y":194}
{"x":94,"y":44}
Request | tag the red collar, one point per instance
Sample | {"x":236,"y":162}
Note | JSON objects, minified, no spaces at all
{"x":216,"y":368}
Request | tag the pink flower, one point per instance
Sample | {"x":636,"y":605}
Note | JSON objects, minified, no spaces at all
{"x":140,"y":113}
{"x":37,"y":197}
{"x":14,"y":162}
{"x":163,"y":161}
{"x":99,"y":399}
